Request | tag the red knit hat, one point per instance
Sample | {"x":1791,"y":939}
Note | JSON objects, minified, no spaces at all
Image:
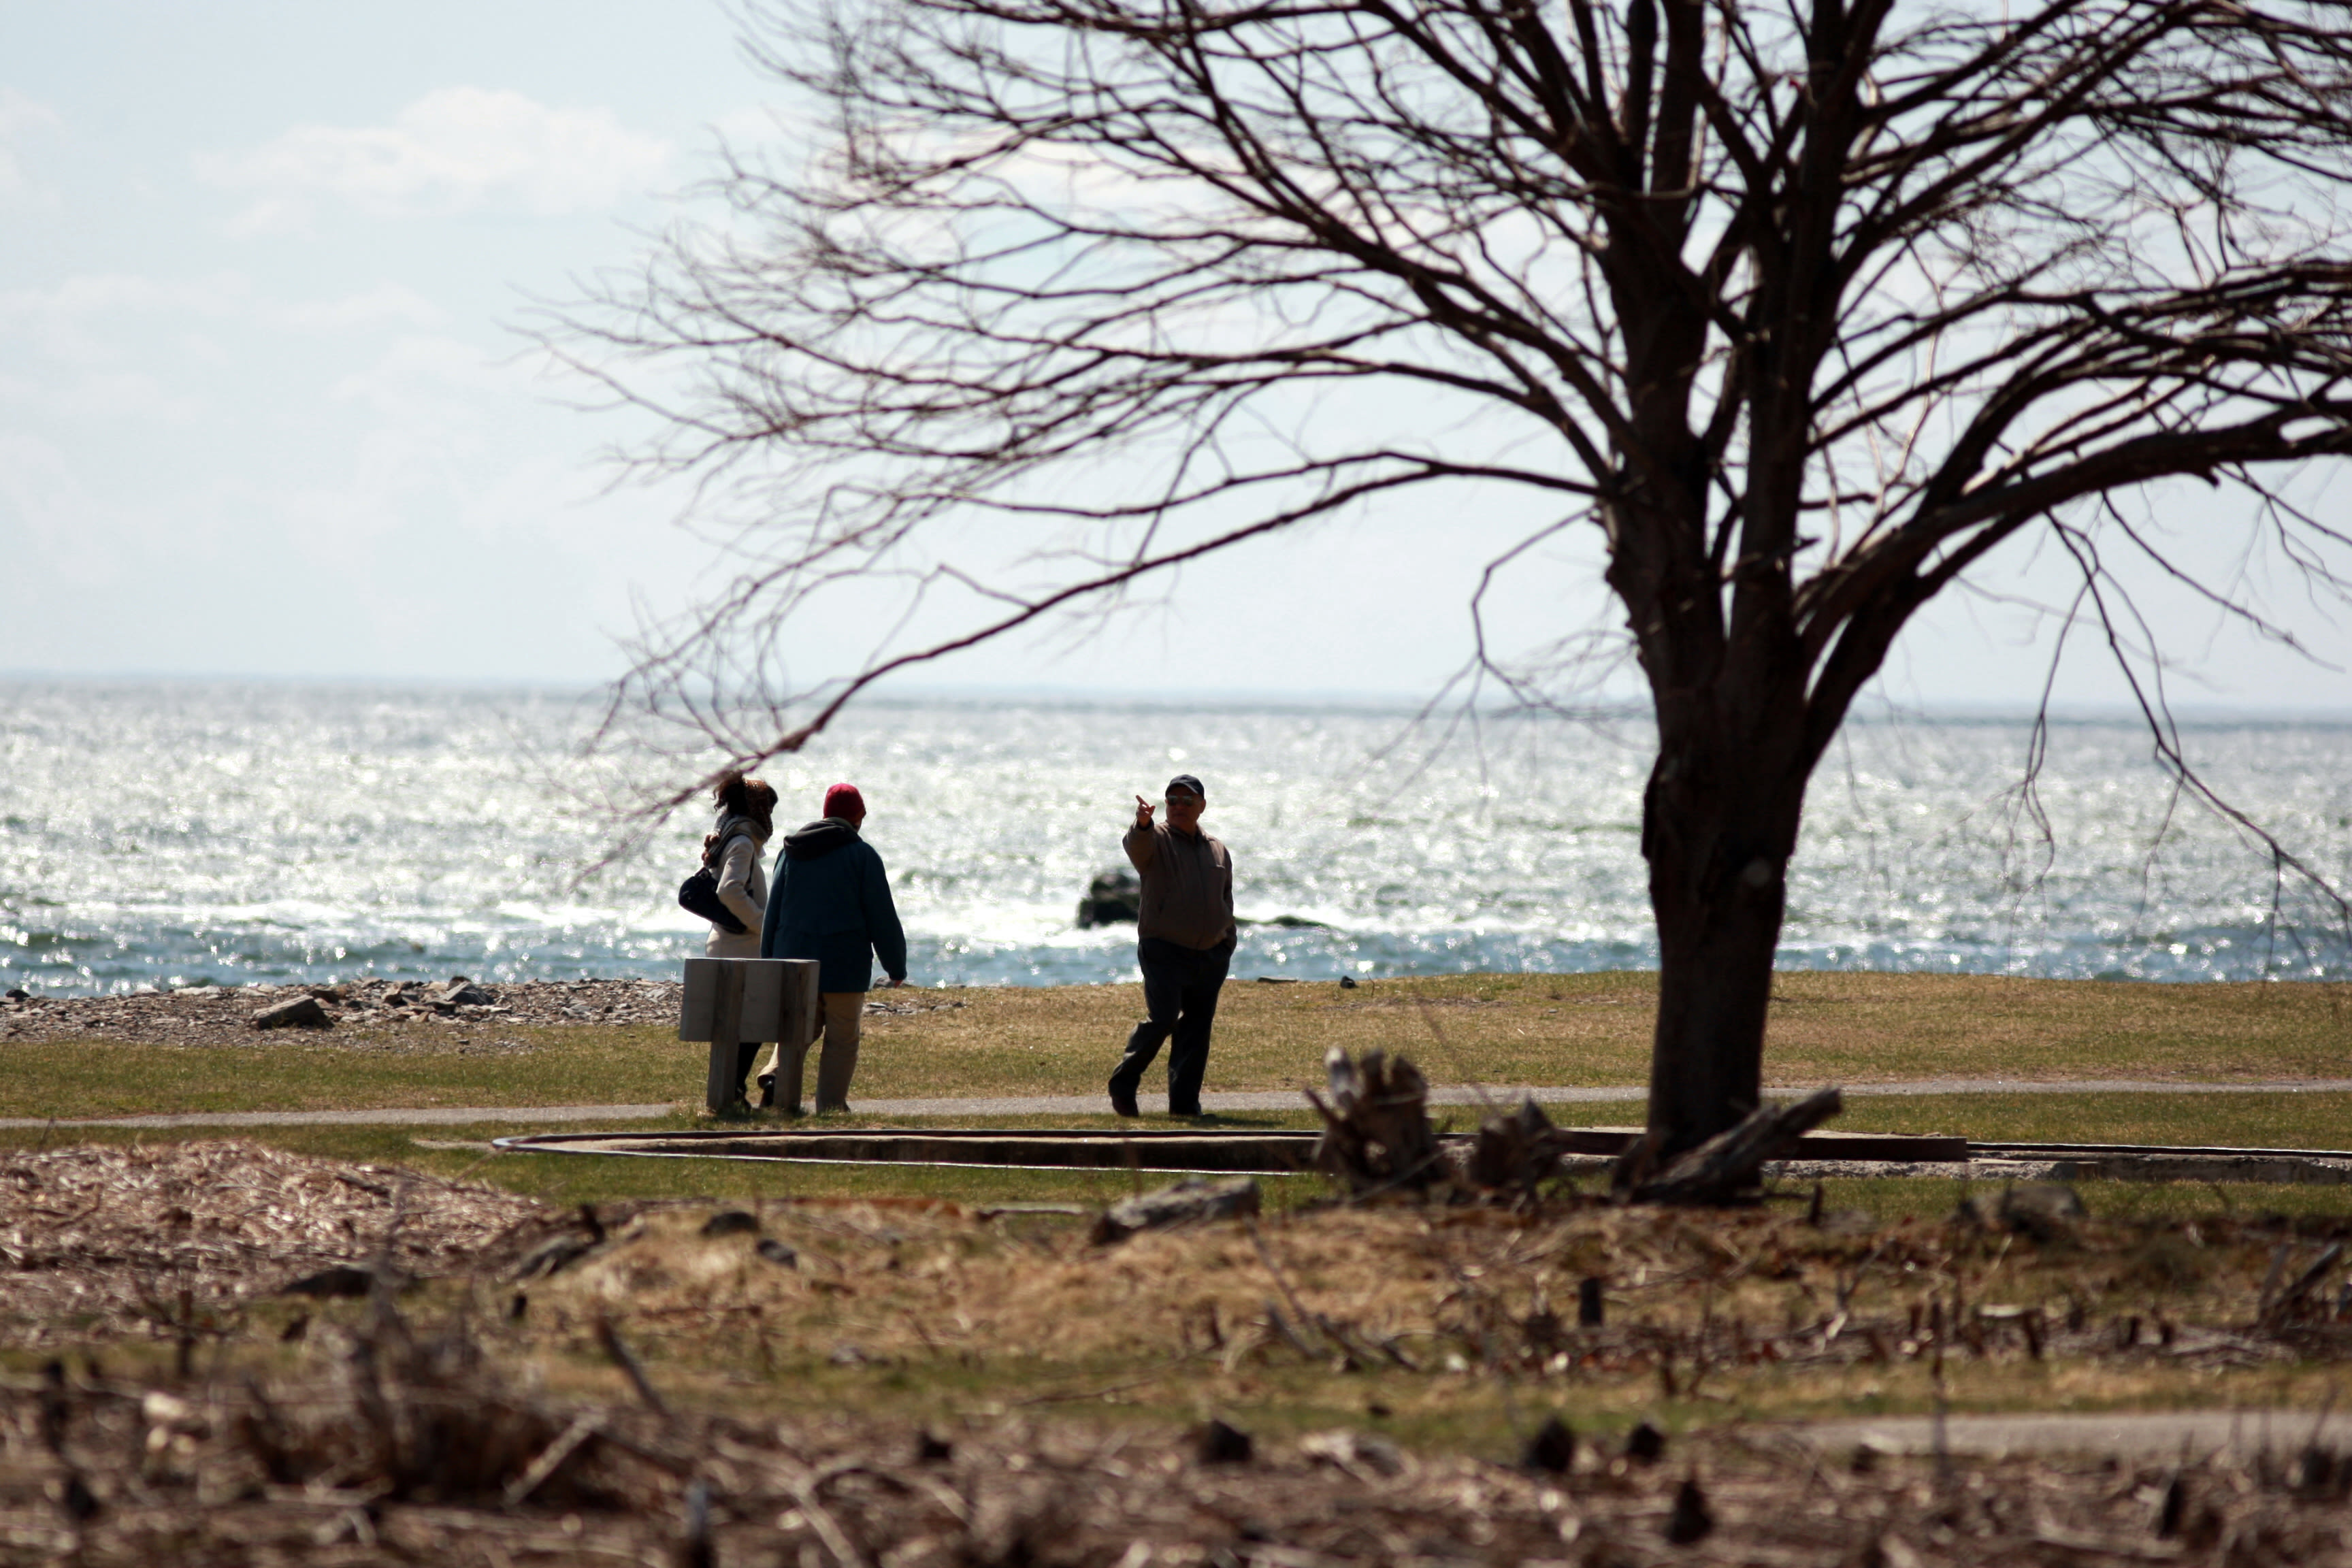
{"x":844,"y":801}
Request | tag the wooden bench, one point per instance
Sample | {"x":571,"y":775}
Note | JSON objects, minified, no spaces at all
{"x":729,"y":1000}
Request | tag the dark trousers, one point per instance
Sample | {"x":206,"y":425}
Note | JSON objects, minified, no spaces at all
{"x":1179,"y":992}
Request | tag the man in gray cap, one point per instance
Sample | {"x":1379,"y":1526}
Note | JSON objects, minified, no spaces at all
{"x":1185,"y":939}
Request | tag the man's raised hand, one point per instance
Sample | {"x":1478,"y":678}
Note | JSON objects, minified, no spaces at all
{"x":1142,"y":812}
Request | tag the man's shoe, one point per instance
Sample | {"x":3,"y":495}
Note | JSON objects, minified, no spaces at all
{"x":1195,"y":1111}
{"x":1123,"y":1104}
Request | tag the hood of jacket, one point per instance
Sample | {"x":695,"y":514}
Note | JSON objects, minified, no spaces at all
{"x":819,"y":838}
{"x":731,"y":823}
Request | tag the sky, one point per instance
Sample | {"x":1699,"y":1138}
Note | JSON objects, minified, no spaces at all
{"x":266,"y":405}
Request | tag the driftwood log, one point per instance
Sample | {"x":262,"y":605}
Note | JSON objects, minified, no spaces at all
{"x":1187,"y":1202}
{"x":1724,"y":1169}
{"x":1376,"y":1132}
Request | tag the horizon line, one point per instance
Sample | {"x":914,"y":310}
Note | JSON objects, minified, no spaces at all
{"x":1603,"y":710}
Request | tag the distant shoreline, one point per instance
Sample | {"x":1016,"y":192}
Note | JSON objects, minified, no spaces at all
{"x":1083,"y":700}
{"x":224,"y":1015}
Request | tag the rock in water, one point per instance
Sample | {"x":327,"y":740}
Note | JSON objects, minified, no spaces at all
{"x":302,"y":1013}
{"x":1114,"y":897}
{"x":1194,"y":1198}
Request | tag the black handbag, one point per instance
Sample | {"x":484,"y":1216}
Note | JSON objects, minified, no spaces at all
{"x":698,"y":894}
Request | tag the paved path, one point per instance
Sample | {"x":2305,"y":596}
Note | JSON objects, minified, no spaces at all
{"x":1081,"y":1104}
{"x":2145,"y":1434}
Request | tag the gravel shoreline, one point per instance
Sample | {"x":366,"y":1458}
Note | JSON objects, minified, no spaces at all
{"x":224,"y":1015}
{"x":363,"y":1011}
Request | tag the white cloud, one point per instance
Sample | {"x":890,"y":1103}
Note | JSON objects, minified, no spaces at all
{"x":765,"y":125}
{"x":429,"y":381}
{"x":456,"y":149}
{"x":120,"y":293}
{"x":19,"y":117}
{"x":386,"y":305}
{"x":61,"y":532}
{"x":19,"y":114}
{"x":119,"y":397}
{"x":86,"y":320}
{"x":81,"y":322}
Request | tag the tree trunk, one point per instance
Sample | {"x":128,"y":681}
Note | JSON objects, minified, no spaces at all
{"x":1717,"y":831}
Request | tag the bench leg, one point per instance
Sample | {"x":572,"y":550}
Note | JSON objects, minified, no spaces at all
{"x":720,"y":1091}
{"x":788,"y":1059}
{"x":725,"y":1033}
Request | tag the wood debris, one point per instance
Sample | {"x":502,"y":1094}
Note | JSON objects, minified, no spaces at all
{"x":1727,"y":1167}
{"x":172,"y":1240}
{"x":398,"y":1442}
{"x":1192,"y":1201}
{"x":371,"y":1434}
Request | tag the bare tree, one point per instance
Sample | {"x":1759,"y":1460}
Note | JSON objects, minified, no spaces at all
{"x":1805,"y":307}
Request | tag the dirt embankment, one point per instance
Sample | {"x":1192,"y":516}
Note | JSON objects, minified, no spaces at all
{"x":192,"y":1409}
{"x":100,"y":1242}
{"x":418,"y":1424}
{"x":422,"y":1450}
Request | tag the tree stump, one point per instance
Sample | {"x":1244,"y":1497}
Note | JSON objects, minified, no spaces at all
{"x":1515,"y":1150}
{"x":1376,"y":1130}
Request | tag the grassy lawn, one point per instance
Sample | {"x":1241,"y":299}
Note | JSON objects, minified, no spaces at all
{"x":2296,"y":1120}
{"x":1587,"y":1029}
{"x":464,"y":1152}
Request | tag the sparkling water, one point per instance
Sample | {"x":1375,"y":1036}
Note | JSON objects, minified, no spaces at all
{"x":172,"y":834}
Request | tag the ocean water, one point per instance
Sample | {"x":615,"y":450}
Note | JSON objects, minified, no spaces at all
{"x":177,"y":833}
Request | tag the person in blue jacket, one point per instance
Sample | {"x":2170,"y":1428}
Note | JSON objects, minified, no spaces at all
{"x":830,"y":900}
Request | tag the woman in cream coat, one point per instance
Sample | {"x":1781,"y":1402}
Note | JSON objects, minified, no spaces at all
{"x":747,"y":810}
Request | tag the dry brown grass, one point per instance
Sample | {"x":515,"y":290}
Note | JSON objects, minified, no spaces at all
{"x":901,"y":1385}
{"x":1391,"y":1361}
{"x":1759,"y":1309}
{"x":325,"y":1464}
{"x":173,"y":1243}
